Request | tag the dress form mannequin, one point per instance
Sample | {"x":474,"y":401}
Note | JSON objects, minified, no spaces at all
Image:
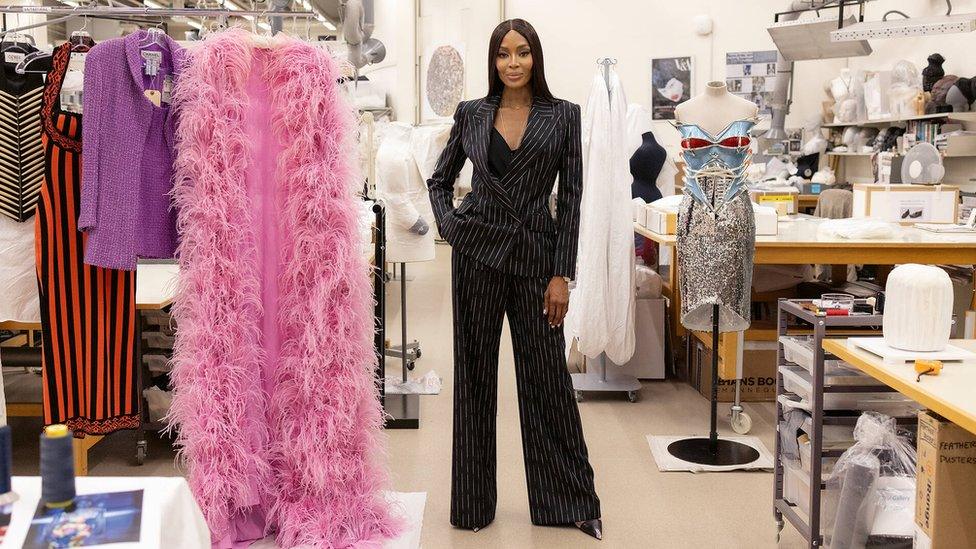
{"x":715,"y":109}
{"x":645,"y":166}
{"x":716,"y":236}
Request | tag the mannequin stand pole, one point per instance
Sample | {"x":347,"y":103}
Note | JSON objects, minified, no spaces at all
{"x":400,"y":411}
{"x":404,"y":408}
{"x":713,"y":450}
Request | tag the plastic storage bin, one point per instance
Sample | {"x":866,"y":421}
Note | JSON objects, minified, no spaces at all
{"x":158,"y":340}
{"x":157,"y":363}
{"x":799,"y":351}
{"x":796,"y":486}
{"x":797,"y":382}
{"x":827,"y":466}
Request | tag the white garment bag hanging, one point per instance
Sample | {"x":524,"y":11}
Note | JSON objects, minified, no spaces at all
{"x":601,"y":306}
{"x":409,"y":219}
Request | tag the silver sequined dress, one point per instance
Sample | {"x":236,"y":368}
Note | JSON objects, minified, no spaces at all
{"x":716,"y":231}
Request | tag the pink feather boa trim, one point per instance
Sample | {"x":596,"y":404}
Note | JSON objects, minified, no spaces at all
{"x":310,"y":453}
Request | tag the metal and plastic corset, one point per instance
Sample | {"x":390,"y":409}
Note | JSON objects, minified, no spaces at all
{"x":720,"y":159}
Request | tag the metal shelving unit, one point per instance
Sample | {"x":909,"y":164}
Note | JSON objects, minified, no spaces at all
{"x":789,"y":313}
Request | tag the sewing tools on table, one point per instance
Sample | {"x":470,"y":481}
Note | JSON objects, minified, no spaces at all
{"x":840,"y":305}
{"x":57,"y":467}
{"x":927,"y":368}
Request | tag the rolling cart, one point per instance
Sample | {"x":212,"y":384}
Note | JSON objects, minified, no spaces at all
{"x":802,"y":362}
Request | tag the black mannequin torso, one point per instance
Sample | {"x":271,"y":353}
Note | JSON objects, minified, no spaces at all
{"x":645,"y":166}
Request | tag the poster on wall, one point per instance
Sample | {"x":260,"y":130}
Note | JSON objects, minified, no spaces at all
{"x":752,"y":75}
{"x":443,"y":82}
{"x":670,"y":85}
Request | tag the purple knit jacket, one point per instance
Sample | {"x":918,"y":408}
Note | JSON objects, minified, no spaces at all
{"x":127,"y":154}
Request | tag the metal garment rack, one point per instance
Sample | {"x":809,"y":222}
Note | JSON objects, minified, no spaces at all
{"x":791,"y":311}
{"x":113,"y":12}
{"x":602,"y":381}
{"x":150,"y":12}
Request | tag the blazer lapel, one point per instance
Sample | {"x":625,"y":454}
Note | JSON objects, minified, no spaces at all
{"x":538,"y":133}
{"x":485,"y":122}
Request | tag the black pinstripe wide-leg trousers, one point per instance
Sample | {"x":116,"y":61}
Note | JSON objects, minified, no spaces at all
{"x":557,"y":468}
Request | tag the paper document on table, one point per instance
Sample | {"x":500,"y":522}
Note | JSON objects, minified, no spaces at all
{"x":945,"y":228}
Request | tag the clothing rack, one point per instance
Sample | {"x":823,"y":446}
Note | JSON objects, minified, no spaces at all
{"x":151,"y":12}
{"x":114,"y":12}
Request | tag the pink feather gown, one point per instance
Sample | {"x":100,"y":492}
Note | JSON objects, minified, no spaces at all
{"x":275,"y":403}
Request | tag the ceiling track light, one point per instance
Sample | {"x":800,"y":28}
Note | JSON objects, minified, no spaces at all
{"x":904,"y":28}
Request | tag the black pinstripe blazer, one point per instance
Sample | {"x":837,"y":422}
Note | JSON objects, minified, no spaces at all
{"x":506,"y":223}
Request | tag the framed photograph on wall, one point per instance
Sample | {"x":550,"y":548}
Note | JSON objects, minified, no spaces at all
{"x":670,"y":85}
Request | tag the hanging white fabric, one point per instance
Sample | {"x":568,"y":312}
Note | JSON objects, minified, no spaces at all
{"x":409,"y":219}
{"x":601,"y":306}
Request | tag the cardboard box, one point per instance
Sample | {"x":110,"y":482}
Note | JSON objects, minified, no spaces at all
{"x":945,"y":496}
{"x":648,"y":359}
{"x":758,"y":372}
{"x":907,"y":204}
{"x":785,"y":201}
{"x":661,"y":221}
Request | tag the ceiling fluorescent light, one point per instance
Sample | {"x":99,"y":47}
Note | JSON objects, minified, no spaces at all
{"x":810,"y":38}
{"x":153,"y":5}
{"x":72,"y":3}
{"x":232,"y":6}
{"x":195,"y":24}
{"x":328,"y":24}
{"x":264,"y":26}
{"x":902,"y":28}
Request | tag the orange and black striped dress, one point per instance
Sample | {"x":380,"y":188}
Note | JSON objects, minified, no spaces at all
{"x":88,"y":313}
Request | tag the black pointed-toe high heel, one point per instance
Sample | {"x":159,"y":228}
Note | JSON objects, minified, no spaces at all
{"x":592,"y":527}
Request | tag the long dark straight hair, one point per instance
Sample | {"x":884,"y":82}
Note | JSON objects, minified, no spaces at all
{"x":538,"y":82}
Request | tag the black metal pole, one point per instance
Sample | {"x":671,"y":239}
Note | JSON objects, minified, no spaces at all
{"x":403,"y":319}
{"x":713,"y":432}
{"x":379,"y":294}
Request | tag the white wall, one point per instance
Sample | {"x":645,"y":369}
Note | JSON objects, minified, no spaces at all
{"x":576,"y":32}
{"x":394,"y":25}
{"x":634,"y":31}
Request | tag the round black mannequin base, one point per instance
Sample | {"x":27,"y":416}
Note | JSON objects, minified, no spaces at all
{"x":701,"y":451}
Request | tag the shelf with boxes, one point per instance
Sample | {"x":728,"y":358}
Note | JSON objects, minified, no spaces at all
{"x":819,"y":399}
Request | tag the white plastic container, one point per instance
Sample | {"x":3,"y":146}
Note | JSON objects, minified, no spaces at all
{"x":892,"y":404}
{"x":157,"y":363}
{"x":806,"y":449}
{"x":834,"y":436}
{"x":796,"y":486}
{"x":799,"y":351}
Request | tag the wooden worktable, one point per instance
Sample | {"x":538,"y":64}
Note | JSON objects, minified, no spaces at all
{"x":951,"y":394}
{"x":798,"y":244}
{"x":155,"y":289}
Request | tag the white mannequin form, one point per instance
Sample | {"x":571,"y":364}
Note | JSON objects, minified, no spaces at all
{"x":715,"y":109}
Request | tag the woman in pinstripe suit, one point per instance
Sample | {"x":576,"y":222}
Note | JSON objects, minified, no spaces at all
{"x":509,"y":256}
